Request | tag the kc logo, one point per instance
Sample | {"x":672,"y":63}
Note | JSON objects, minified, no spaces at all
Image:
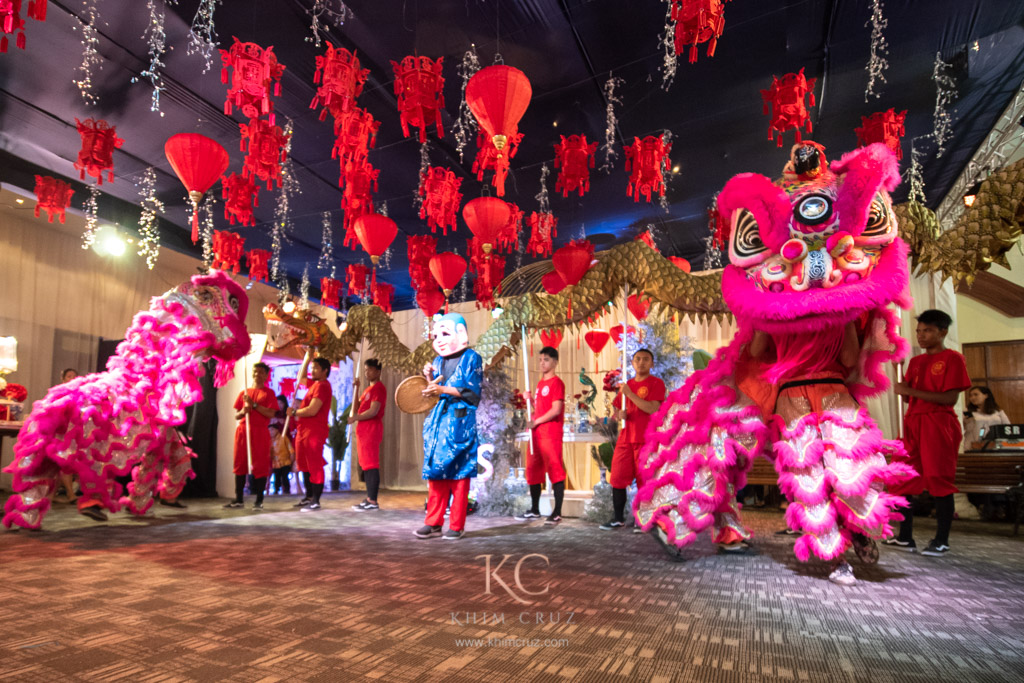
{"x":492,"y":574}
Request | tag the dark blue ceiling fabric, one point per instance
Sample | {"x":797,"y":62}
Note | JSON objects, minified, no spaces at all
{"x":566,"y":48}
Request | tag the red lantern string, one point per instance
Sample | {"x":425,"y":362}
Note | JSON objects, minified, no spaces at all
{"x":787,"y":100}
{"x":99,"y":140}
{"x":647,"y":158}
{"x":488,"y":282}
{"x":358,"y":274}
{"x":698,"y":21}
{"x":489,"y":158}
{"x":253,"y":70}
{"x":883,"y":126}
{"x":382,"y":295}
{"x":258,"y":260}
{"x":52,"y":196}
{"x":596,"y":340}
{"x":498,"y":96}
{"x":487,"y":217}
{"x":420,"y":90}
{"x":330,"y":292}
{"x":240,"y":196}
{"x":575,"y":157}
{"x":198,"y":161}
{"x":359,"y":180}
{"x":341,"y":81}
{"x":355,"y":133}
{"x":11,"y":21}
{"x":542,"y":230}
{"x":439,"y":188}
{"x":288,"y":386}
{"x":267,"y":150}
{"x":227,"y":250}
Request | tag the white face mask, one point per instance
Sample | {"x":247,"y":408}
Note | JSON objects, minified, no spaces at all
{"x":449,"y":338}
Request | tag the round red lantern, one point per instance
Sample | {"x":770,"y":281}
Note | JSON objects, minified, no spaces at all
{"x":498,"y":97}
{"x":375,"y":233}
{"x":198,"y":161}
{"x":680,"y":263}
{"x":487,"y":217}
{"x":552,"y":283}
{"x":430,"y":301}
{"x":447,"y":268}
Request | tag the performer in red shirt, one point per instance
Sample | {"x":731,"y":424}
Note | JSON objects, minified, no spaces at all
{"x":257,"y":405}
{"x":311,"y":431}
{"x":369,"y":422}
{"x":931,"y":430}
{"x":644,"y":393}
{"x":549,"y":414}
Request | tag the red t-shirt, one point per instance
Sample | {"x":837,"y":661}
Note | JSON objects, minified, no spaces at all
{"x":548,"y":391}
{"x":259,"y":426}
{"x":937,"y":372}
{"x":372,"y":429}
{"x":650,"y":389}
{"x":317,"y":424}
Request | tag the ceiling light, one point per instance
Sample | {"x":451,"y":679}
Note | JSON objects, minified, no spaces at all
{"x":972,"y":194}
{"x":555,"y":124}
{"x":109,"y":242}
{"x":675,"y":169}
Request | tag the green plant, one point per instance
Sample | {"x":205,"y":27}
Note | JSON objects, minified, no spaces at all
{"x":337,"y":437}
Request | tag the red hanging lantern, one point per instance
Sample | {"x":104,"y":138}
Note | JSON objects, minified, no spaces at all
{"x":487,"y":217}
{"x":359,"y":180}
{"x":488,"y":282}
{"x":267,"y":150}
{"x":355,"y":133}
{"x":647,"y":238}
{"x":552,"y":283}
{"x":330,"y":292}
{"x":508,"y":237}
{"x":575,"y":158}
{"x":375,"y":233}
{"x":638,"y":306}
{"x":99,"y":139}
{"x":358,"y":274}
{"x":487,"y":160}
{"x":572,"y":262}
{"x":542,"y":229}
{"x":439,"y":188}
{"x":596,"y":340}
{"x":698,"y":21}
{"x":447,"y":269}
{"x":648,"y":159}
{"x":227,"y":250}
{"x":552,"y":338}
{"x":680,"y":263}
{"x":52,"y":196}
{"x":240,"y":195}
{"x":787,"y":104}
{"x":419,"y":249}
{"x":198,"y":162}
{"x":11,"y":21}
{"x":883,"y":126}
{"x":341,"y":81}
{"x":498,"y":97}
{"x":254,"y":69}
{"x":718,"y":225}
{"x":420,"y":90}
{"x":258,"y":260}
{"x":616,"y":333}
{"x":430,"y":301}
{"x":382,"y":295}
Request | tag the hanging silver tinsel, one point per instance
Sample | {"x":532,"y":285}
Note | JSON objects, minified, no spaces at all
{"x":382,"y":208}
{"x":324,"y":14}
{"x":304,"y":288}
{"x":877,"y":63}
{"x":206,"y":228}
{"x":611,"y":122}
{"x":282,"y":210}
{"x":668,"y":45}
{"x":465,"y":124}
{"x":915,"y":175}
{"x":385,"y":259}
{"x":202,"y":37}
{"x":417,"y":199}
{"x":666,"y":171}
{"x":326,"y":245}
{"x":90,"y":51}
{"x":156,"y":38}
{"x":284,"y":288}
{"x":149,"y":231}
{"x":91,"y":207}
{"x":945,"y":93}
{"x":543,"y":201}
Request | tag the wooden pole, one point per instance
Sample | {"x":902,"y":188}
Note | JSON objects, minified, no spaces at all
{"x":625,"y":329}
{"x":526,"y":379}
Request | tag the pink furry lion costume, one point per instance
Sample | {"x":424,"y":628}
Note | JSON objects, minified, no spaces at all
{"x":815,"y":264}
{"x":99,"y":426}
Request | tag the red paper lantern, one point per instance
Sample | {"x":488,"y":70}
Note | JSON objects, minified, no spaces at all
{"x":447,"y":269}
{"x":240,"y":195}
{"x":439,"y":188}
{"x":382,"y":295}
{"x":99,"y":139}
{"x":680,"y":263}
{"x":542,"y":229}
{"x":254,"y":69}
{"x":787,"y":103}
{"x":419,"y":249}
{"x":358,"y":274}
{"x":508,"y":237}
{"x":227,"y":250}
{"x":596,"y":340}
{"x":883,"y":126}
{"x":198,"y":162}
{"x":430,"y":301}
{"x":616,"y":333}
{"x":552,"y":283}
{"x":487,"y":217}
{"x":647,"y":238}
{"x":648,"y":159}
{"x":359,"y":180}
{"x":487,"y":159}
{"x":638,"y":306}
{"x":52,"y":196}
{"x":552,"y":338}
{"x":575,"y":158}
{"x":330,"y":292}
{"x":420,"y":90}
{"x":355,"y":133}
{"x":375,"y":233}
{"x":267,"y":150}
{"x":488,"y":282}
{"x":698,"y":21}
{"x":572,"y":262}
{"x":288,"y":386}
{"x":341,"y":81}
{"x":258,"y":260}
{"x":11,"y":21}
{"x":498,"y":97}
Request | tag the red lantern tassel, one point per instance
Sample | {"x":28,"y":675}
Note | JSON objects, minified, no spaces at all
{"x":195,"y":223}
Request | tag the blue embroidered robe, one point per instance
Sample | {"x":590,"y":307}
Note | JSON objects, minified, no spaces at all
{"x":449,"y":433}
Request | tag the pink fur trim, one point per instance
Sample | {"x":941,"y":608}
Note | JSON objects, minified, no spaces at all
{"x":863,"y":173}
{"x":768,"y":202}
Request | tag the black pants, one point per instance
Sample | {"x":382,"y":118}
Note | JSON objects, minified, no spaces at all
{"x":281,"y":483}
{"x":372,"y":478}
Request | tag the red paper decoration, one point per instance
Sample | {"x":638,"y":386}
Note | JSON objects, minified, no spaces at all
{"x":258,"y":260}
{"x":240,"y":196}
{"x":786,"y":99}
{"x":439,"y":188}
{"x":267,"y":150}
{"x":488,"y":282}
{"x":552,"y":283}
{"x":375,"y":233}
{"x":52,"y":196}
{"x":227,"y":250}
{"x":355,"y":133}
{"x":575,"y":158}
{"x":487,"y":217}
{"x":11,"y":21}
{"x":882,"y":126}
{"x":358,"y":274}
{"x":648,"y":158}
{"x":430,"y":301}
{"x":572,"y":262}
{"x":288,"y":386}
{"x":498,"y":96}
{"x":198,"y":162}
{"x":542,"y":229}
{"x":616,"y":333}
{"x":647,"y":238}
{"x":382,"y":295}
{"x":254,"y":69}
{"x":341,"y":81}
{"x":680,"y":263}
{"x":447,"y":269}
{"x":359,"y":180}
{"x":420,"y":90}
{"x":330,"y":292}
{"x":698,"y":21}
{"x":508,"y":238}
{"x":99,"y":139}
{"x":487,"y":160}
{"x":638,"y":306}
{"x":420,"y":248}
{"x":552,"y":338}
{"x":596,"y":340}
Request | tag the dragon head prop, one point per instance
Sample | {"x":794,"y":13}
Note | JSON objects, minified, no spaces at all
{"x":220,"y":304}
{"x":300,"y":328}
{"x":818,"y":246}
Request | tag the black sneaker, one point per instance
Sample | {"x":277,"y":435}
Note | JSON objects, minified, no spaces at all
{"x":257,"y":506}
{"x":786,"y":532}
{"x":234,"y":504}
{"x":426,"y":531}
{"x":360,"y":506}
{"x":303,"y":503}
{"x":909,"y":546}
{"x":553,"y":519}
{"x":173,"y":504}
{"x":94,"y":512}
{"x":452,"y":535}
{"x":935,"y":550}
{"x":370,"y":506}
{"x":527,"y":516}
{"x":612,"y":524}
{"x":312,"y":507}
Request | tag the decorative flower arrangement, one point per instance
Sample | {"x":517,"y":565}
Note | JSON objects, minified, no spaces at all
{"x":14,"y":392}
{"x":518,"y":400}
{"x":612,"y":380}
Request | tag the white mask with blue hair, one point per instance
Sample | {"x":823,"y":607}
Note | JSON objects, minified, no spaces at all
{"x":450,"y":335}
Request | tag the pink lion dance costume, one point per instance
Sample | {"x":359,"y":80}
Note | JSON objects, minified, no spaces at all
{"x":99,"y":426}
{"x":809,"y":254}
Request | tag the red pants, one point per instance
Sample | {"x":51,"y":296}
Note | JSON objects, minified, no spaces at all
{"x":548,"y":456}
{"x":260,"y":441}
{"x":625,"y":464}
{"x":437,"y":503}
{"x":309,"y":454}
{"x":368,"y":451}
{"x":932,"y":441}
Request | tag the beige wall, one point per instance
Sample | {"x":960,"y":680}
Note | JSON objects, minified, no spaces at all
{"x":979,"y":323}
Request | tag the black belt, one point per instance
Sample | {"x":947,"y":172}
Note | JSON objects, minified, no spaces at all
{"x":805,"y":382}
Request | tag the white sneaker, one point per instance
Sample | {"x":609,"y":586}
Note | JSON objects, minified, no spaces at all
{"x":842,"y":575}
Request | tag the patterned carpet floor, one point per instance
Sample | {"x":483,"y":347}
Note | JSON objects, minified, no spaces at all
{"x":207,"y":594}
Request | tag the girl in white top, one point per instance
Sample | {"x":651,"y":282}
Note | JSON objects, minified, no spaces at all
{"x":982,"y":412}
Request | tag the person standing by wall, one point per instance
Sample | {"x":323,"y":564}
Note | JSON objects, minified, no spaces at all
{"x":369,"y":422}
{"x":312,"y":430}
{"x":253,"y":409}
